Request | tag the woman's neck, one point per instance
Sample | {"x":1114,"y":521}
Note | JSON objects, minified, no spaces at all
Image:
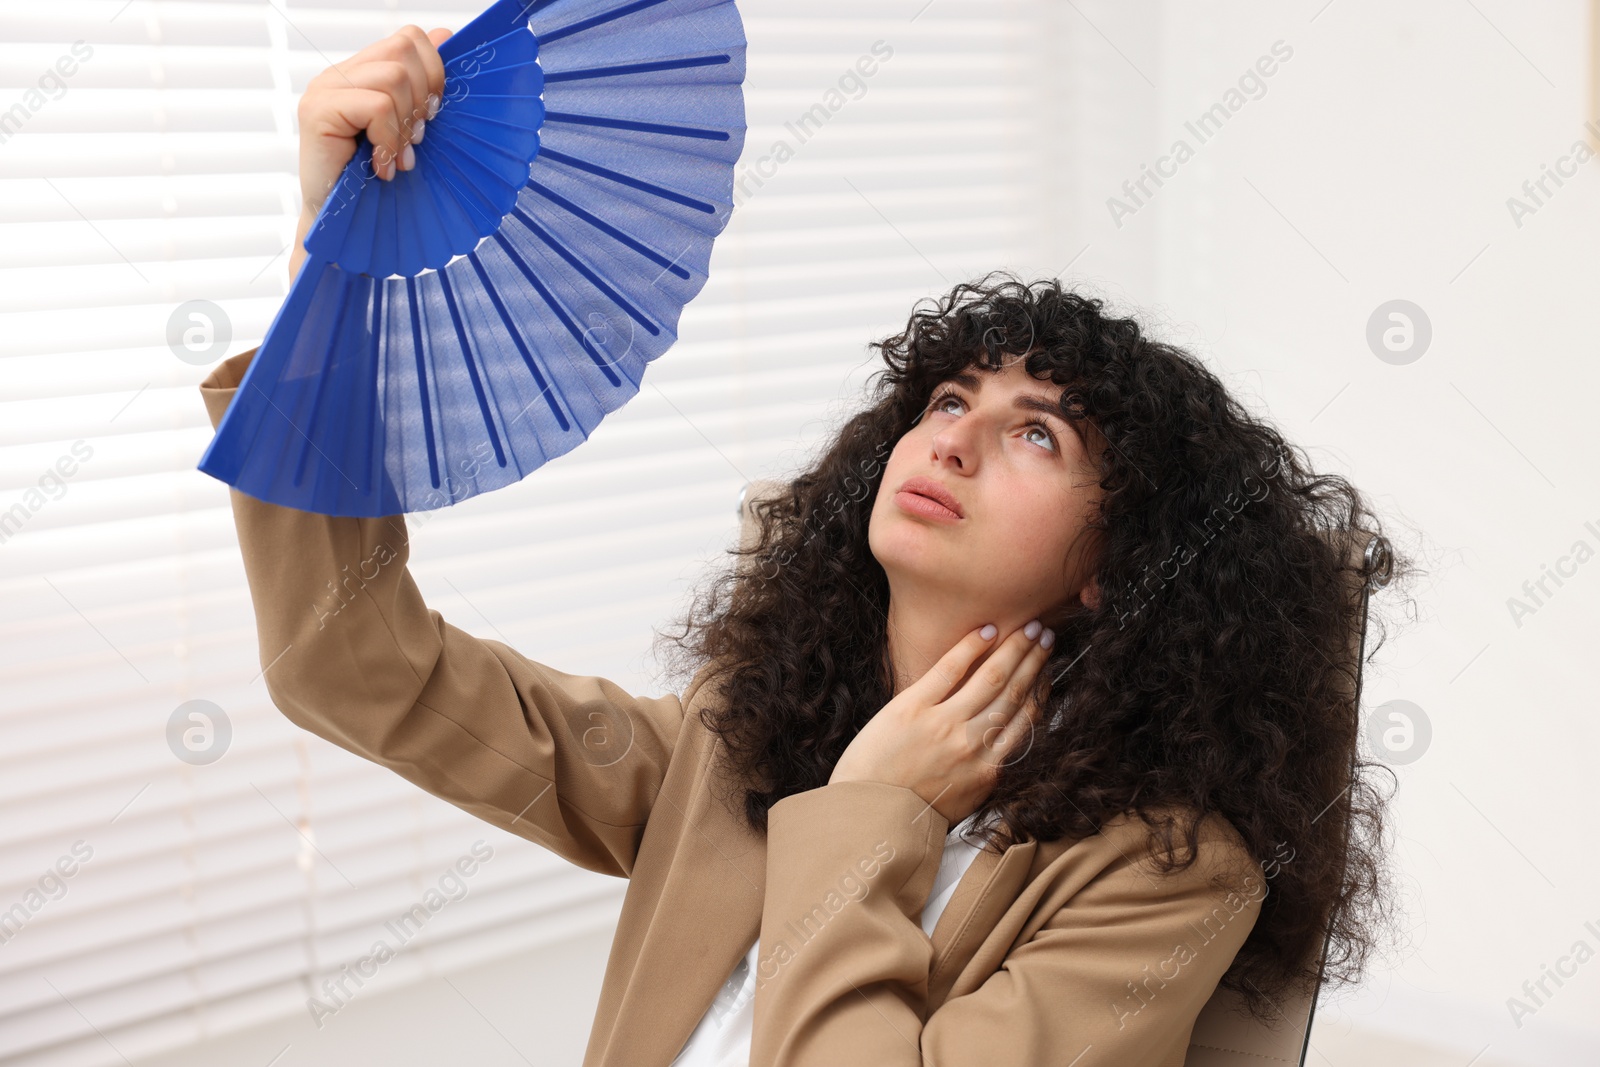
{"x":920,"y":630}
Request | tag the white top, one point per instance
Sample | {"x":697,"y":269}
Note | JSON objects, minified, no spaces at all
{"x":722,"y":1039}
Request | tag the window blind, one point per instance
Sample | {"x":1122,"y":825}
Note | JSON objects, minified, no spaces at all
{"x":147,"y":160}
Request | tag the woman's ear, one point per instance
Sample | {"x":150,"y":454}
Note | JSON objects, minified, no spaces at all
{"x":1090,"y":593}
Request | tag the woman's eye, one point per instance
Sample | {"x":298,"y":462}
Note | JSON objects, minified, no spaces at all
{"x":939,"y":401}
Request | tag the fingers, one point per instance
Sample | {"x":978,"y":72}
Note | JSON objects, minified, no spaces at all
{"x":937,"y":685}
{"x":393,"y":136}
{"x":368,"y":104}
{"x":1002,"y":732}
{"x":385,"y":91}
{"x":1008,"y":671}
{"x":329,"y":120}
{"x":1004,"y":744}
{"x":400,"y":73}
{"x":432,"y":87}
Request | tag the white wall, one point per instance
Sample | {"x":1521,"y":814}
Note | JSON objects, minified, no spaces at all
{"x":1378,"y":165}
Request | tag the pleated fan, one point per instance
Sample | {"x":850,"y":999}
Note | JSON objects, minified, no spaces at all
{"x":455,"y":328}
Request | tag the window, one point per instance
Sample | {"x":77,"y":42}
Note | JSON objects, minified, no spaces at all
{"x":147,"y":159}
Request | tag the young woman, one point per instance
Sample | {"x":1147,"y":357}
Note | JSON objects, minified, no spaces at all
{"x":1023,"y":726}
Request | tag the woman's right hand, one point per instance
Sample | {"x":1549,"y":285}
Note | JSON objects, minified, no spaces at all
{"x":935,"y":736}
{"x":389,"y":89}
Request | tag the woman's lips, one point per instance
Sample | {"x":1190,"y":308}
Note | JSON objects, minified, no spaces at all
{"x":925,"y":507}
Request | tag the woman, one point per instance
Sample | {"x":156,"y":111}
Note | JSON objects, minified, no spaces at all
{"x":1054,"y":594}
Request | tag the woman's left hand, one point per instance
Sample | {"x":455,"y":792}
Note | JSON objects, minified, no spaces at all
{"x":946,"y":746}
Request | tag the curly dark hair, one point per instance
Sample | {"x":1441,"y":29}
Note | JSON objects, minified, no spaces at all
{"x":1213,"y":676}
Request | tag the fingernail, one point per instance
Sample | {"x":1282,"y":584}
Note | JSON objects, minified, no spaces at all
{"x":1031,"y":630}
{"x":988,"y":631}
{"x":433,"y":104}
{"x":408,"y":157}
{"x":416,"y":134}
{"x":1048,"y":639}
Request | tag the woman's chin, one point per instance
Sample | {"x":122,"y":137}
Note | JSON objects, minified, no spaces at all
{"x":917,"y":554}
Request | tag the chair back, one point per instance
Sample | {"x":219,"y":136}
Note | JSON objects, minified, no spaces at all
{"x":1225,"y":1035}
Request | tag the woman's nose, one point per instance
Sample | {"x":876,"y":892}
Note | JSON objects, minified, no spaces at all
{"x":955,"y":441}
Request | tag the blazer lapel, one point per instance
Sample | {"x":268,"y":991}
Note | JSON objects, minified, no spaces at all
{"x":981,"y":897}
{"x":706,"y":918}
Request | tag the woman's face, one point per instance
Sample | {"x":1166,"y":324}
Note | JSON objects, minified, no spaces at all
{"x":1025,"y":486}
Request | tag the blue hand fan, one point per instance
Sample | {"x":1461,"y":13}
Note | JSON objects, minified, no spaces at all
{"x":453,"y":329}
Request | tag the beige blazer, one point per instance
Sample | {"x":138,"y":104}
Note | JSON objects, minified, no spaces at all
{"x":1066,"y":952}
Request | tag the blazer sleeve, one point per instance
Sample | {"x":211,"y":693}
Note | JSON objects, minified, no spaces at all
{"x":1116,"y":975}
{"x":351,"y":653}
